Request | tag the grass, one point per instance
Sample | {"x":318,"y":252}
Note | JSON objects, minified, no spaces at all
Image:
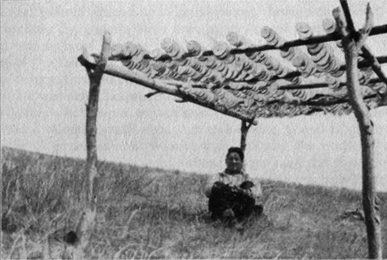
{"x":147,"y":213}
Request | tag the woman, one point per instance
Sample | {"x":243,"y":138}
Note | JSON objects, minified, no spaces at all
{"x":232,"y":194}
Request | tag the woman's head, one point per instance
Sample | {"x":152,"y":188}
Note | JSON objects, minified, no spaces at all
{"x":234,"y":159}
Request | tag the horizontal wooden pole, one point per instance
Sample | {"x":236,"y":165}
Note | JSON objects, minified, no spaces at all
{"x":334,"y":102}
{"x":321,"y":85}
{"x":117,"y":69}
{"x":312,"y":40}
{"x":321,"y":103}
{"x":362,"y":64}
{"x":380,"y":29}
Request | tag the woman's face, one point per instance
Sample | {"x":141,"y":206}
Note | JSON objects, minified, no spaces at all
{"x":234,"y":162}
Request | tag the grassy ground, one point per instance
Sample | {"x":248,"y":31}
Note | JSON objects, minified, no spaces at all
{"x":153,"y":213}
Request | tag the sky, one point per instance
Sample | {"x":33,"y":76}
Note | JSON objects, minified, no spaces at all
{"x":44,"y":90}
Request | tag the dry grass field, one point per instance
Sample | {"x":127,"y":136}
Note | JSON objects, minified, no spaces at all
{"x":154,"y":213}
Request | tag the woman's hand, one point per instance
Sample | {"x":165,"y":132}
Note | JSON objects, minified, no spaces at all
{"x":247,"y":185}
{"x":245,"y":188}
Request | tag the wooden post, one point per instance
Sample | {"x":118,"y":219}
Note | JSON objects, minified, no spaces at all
{"x":244,"y":130}
{"x":86,"y":222}
{"x":352,"y":43}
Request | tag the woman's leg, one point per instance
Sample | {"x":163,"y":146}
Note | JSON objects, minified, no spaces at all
{"x":220,"y":200}
{"x":243,"y":206}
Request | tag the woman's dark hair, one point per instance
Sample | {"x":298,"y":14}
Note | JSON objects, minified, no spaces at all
{"x":238,"y":151}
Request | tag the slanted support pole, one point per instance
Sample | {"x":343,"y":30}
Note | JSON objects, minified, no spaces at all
{"x":244,"y":130}
{"x":352,"y":43}
{"x":86,"y":222}
{"x":117,"y":69}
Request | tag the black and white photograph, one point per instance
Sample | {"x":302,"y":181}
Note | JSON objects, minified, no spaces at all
{"x":204,"y":129}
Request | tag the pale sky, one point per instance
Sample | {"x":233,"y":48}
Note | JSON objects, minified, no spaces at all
{"x":44,"y":90}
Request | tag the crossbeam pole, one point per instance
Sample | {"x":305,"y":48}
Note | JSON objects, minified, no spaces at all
{"x":380,"y":29}
{"x":117,"y":69}
{"x":322,"y":85}
{"x":369,"y":62}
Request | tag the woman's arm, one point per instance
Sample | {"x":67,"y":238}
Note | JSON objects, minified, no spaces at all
{"x":254,"y":189}
{"x":208,"y":185}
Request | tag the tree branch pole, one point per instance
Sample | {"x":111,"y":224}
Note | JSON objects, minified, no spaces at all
{"x":380,"y":29}
{"x":116,"y":69}
{"x":352,"y":42}
{"x":374,"y":63}
{"x":86,"y":222}
{"x":244,"y":130}
{"x":322,"y":85}
{"x":292,"y":74}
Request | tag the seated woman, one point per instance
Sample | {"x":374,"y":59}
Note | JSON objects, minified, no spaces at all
{"x":232,"y":194}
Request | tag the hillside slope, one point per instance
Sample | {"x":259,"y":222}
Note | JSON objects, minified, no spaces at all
{"x":154,"y":213}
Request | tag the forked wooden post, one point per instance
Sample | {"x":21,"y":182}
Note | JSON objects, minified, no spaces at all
{"x":244,"y":130}
{"x":86,"y":222}
{"x":352,"y":43}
